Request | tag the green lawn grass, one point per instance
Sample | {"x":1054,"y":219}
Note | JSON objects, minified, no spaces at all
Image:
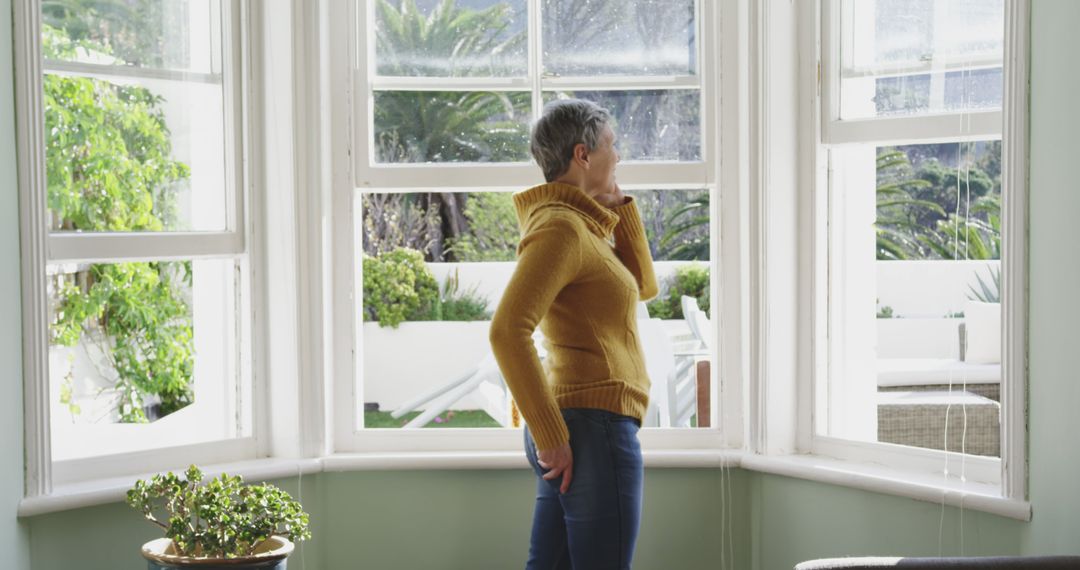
{"x":452,"y":419}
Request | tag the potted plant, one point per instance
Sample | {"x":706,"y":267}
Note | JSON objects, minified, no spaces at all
{"x":218,"y":524}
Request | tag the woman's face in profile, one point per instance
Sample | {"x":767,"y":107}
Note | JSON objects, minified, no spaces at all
{"x":600,"y":177}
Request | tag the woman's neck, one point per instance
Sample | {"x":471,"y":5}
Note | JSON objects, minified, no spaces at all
{"x":577,"y":181}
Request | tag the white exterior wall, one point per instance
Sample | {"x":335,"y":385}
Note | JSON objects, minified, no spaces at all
{"x":930,"y":289}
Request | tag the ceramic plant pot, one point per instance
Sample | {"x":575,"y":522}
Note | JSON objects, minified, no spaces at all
{"x":270,"y":555}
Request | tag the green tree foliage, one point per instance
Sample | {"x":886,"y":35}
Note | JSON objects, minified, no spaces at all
{"x":690,"y":280}
{"x":492,"y":229}
{"x":393,"y":221}
{"x":139,"y":307}
{"x":109,"y":168}
{"x":686,"y":236}
{"x":130,"y":30}
{"x":447,"y":126}
{"x":936,"y":212}
{"x":676,"y":223}
{"x":898,"y":226}
{"x":450,"y":41}
{"x":975,"y":237}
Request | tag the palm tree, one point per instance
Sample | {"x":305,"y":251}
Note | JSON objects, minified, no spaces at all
{"x":968,"y":237}
{"x":917,"y":228}
{"x":448,"y":126}
{"x":684,"y":239}
{"x":450,"y":42}
{"x":897,"y":225}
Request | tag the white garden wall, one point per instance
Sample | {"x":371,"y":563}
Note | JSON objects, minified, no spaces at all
{"x":491,"y":278}
{"x":930,"y":289}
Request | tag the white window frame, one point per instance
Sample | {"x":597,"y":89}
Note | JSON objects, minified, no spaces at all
{"x":357,"y":171}
{"x":1003,"y":478}
{"x":40,"y":248}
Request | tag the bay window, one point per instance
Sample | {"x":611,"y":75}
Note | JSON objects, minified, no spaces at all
{"x":913,"y":271}
{"x":443,"y":95}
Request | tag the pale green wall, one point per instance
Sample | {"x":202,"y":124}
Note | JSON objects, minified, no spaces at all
{"x":426,"y":519}
{"x":1055,"y":278}
{"x":795,"y":520}
{"x":108,"y":537}
{"x":14,"y":544}
{"x":479,"y":519}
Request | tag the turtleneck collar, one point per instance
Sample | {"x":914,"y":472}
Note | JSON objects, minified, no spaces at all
{"x":601,"y":220}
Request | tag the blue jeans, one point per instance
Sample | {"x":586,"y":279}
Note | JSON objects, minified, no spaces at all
{"x":595,"y":524}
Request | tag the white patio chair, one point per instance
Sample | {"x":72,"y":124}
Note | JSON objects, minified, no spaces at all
{"x":682,"y":390}
{"x":484,"y":377}
{"x":660,"y":366}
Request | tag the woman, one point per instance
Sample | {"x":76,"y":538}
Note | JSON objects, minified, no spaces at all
{"x":584,"y":405}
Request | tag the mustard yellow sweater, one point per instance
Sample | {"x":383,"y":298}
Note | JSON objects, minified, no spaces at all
{"x":583,"y":292}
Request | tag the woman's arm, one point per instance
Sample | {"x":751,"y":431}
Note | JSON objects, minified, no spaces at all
{"x":632,"y":247}
{"x":549,"y":257}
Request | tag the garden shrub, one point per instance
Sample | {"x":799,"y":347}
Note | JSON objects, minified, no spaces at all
{"x":398,"y":286}
{"x":691,"y":280}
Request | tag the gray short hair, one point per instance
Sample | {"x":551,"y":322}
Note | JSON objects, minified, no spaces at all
{"x":564,"y":124}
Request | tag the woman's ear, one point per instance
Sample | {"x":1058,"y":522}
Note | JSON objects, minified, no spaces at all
{"x":581,"y":153}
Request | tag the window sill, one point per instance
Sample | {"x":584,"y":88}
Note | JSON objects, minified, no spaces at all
{"x":891,"y":481}
{"x":865,"y":476}
{"x":104,"y":491}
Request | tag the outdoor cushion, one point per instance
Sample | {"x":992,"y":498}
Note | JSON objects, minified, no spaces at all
{"x":997,"y":563}
{"x":983,"y":322}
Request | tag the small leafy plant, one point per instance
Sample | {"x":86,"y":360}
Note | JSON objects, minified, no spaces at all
{"x":987,"y":292}
{"x":222,"y":518}
{"x":457,"y":304}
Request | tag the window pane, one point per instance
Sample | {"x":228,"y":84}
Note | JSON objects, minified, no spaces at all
{"x":435,"y":266}
{"x":905,"y":57}
{"x":451,"y":126}
{"x":979,"y":89}
{"x":915,"y":313}
{"x":650,"y":125}
{"x":142,"y":355}
{"x":134,"y":117}
{"x":433,"y":38}
{"x":159,"y":34}
{"x":617,"y":37}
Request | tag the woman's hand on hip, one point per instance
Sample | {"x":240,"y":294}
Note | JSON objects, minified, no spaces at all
{"x":560,"y":461}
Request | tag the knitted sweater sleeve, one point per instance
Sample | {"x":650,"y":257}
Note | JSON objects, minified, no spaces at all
{"x":549,"y":258}
{"x":632,"y":247}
